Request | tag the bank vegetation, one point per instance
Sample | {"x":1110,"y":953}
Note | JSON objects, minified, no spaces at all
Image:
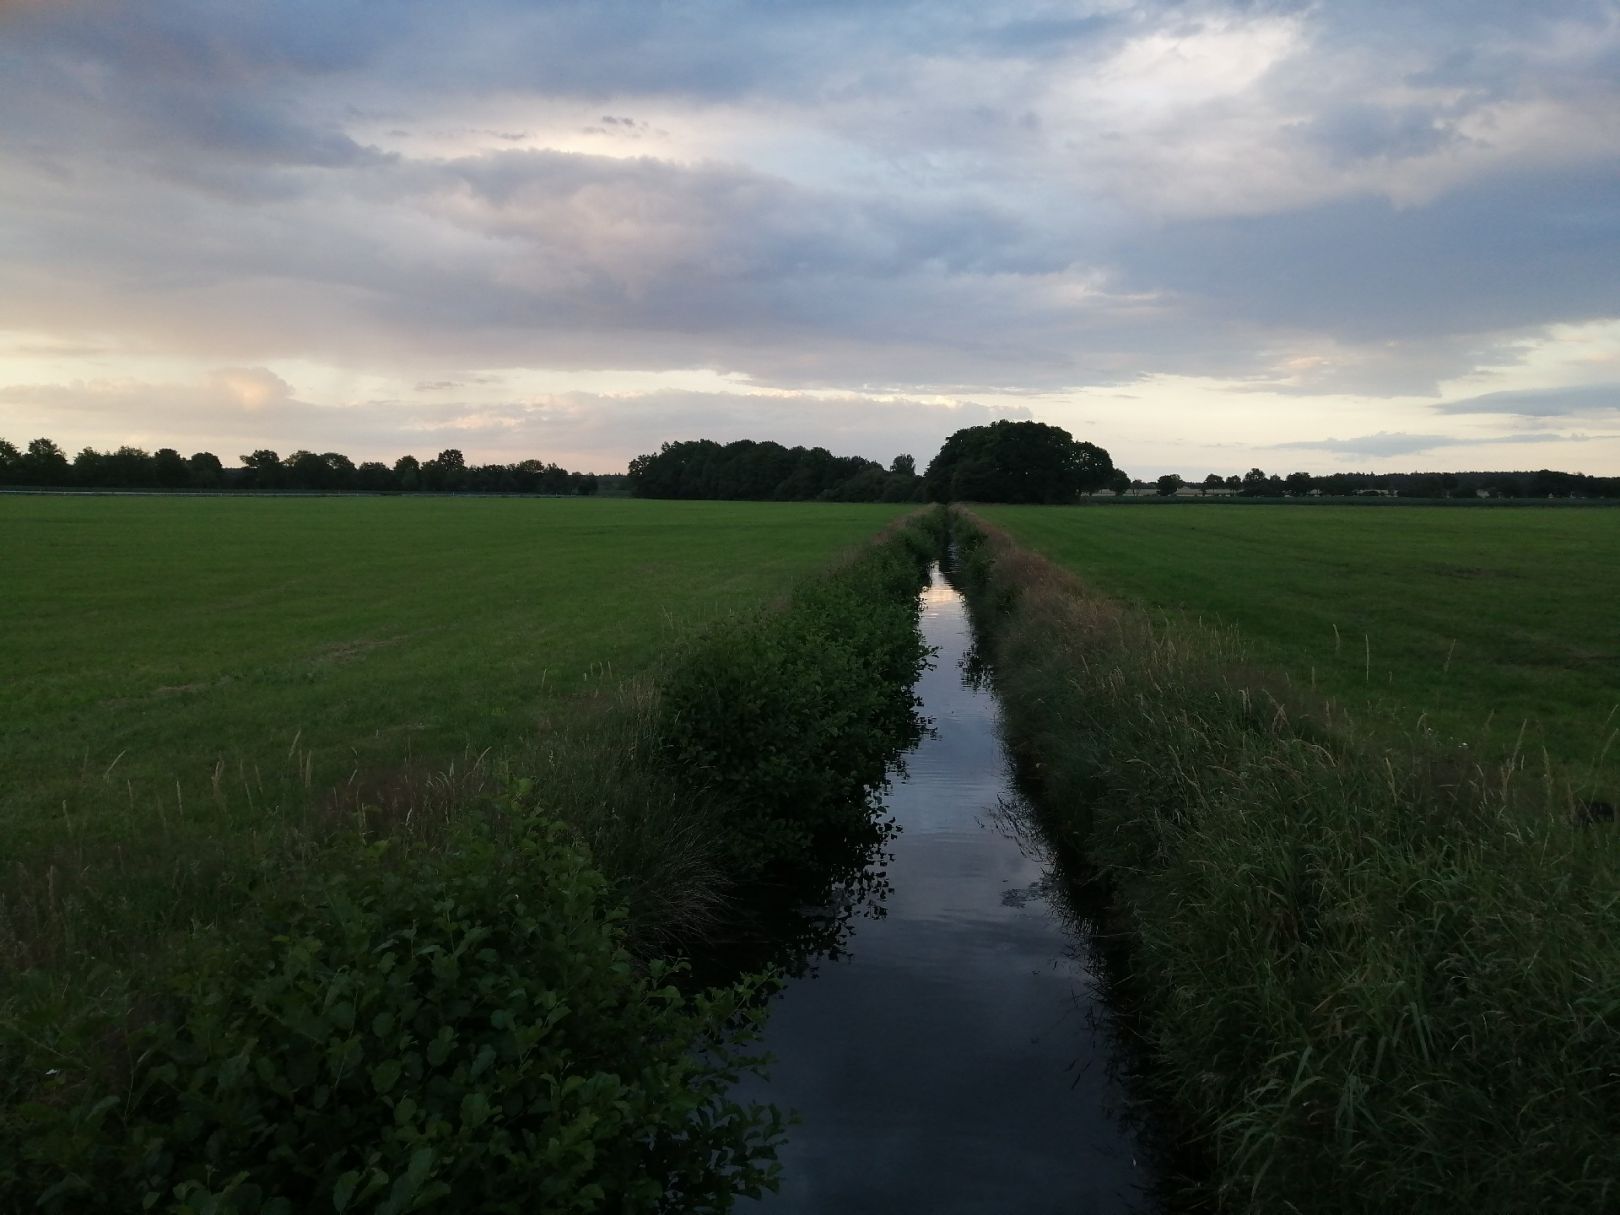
{"x":467,"y":992}
{"x":1373,"y":973}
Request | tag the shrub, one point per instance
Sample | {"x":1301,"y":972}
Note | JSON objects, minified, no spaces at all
{"x":790,"y":717}
{"x":461,"y":1030}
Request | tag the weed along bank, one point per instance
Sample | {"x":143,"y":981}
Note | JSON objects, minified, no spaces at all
{"x":1374,"y":969}
{"x":951,"y":1049}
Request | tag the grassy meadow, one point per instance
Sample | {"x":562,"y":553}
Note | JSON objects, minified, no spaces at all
{"x":1475,"y":624}
{"x":147,"y":640}
{"x":184,"y":677}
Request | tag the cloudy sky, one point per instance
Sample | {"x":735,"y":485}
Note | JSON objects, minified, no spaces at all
{"x":1204,"y":235}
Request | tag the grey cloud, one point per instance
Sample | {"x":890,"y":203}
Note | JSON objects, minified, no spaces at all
{"x":979,"y":229}
{"x":1523,"y":250}
{"x":1387,"y":443}
{"x":1051,"y":35}
{"x":195,"y":39}
{"x":1540,"y":403}
{"x":447,"y":385}
{"x":1361,"y":132}
{"x":576,"y":261}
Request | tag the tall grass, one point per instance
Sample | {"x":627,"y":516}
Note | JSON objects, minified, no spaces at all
{"x":454,"y":987}
{"x":1376,"y":975}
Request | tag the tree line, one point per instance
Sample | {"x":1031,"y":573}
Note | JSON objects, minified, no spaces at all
{"x":1541,"y":483}
{"x":1001,"y":462}
{"x":751,"y":471}
{"x":42,"y":463}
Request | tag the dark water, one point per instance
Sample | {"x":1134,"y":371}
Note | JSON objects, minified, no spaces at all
{"x":954,"y":1057}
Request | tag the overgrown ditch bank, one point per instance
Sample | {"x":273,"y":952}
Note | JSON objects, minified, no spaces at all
{"x":1373,"y":975}
{"x":465,"y":996}
{"x":950,"y":1049}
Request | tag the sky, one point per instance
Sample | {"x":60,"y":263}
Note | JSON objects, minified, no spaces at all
{"x":1205,"y":236}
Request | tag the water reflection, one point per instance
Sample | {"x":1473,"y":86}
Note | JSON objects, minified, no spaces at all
{"x":946,"y":1057}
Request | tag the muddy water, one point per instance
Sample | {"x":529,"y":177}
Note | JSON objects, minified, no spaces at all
{"x":954,"y":1057}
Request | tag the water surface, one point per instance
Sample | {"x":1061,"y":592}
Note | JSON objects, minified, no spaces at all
{"x":954,"y":1057}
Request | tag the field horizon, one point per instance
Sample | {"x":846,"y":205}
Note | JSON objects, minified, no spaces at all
{"x":1465,"y":623}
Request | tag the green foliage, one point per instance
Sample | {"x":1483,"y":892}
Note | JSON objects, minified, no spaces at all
{"x":789,"y":717}
{"x":702,"y":468}
{"x":1376,"y":974}
{"x":457,"y":1030}
{"x":1016,"y":462}
{"x":331,"y":471}
{"x":1487,"y":626}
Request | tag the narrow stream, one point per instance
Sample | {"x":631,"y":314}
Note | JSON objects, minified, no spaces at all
{"x":954,"y":1056}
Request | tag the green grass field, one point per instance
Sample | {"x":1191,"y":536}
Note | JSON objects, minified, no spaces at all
{"x":149,"y":644}
{"x":1479,"y":623}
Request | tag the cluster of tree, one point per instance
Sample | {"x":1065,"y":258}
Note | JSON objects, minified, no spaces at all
{"x":43,"y":463}
{"x":1542,"y":483}
{"x":702,"y":468}
{"x":1019,"y":462}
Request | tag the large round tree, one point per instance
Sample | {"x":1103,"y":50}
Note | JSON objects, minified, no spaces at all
{"x":1016,"y":462}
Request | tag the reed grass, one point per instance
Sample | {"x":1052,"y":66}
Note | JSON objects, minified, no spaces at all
{"x":1375,"y":972}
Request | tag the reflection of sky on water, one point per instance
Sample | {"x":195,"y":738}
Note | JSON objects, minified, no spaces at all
{"x":948,"y":1064}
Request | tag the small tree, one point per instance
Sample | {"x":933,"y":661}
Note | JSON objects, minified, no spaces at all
{"x":1169,"y":484}
{"x":264,"y":469}
{"x":205,"y":470}
{"x":446,"y":471}
{"x":89,"y":467}
{"x":45,"y":464}
{"x":408,"y":474}
{"x":374,"y":476}
{"x":339,"y":470}
{"x":904,"y":465}
{"x":306,"y":470}
{"x":169,"y":468}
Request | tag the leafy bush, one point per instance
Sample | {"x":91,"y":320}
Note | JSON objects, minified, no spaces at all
{"x":790,"y":717}
{"x":456,"y":1031}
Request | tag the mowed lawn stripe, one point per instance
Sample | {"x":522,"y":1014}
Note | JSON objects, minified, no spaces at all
{"x":1475,"y":621}
{"x":145,"y":640}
